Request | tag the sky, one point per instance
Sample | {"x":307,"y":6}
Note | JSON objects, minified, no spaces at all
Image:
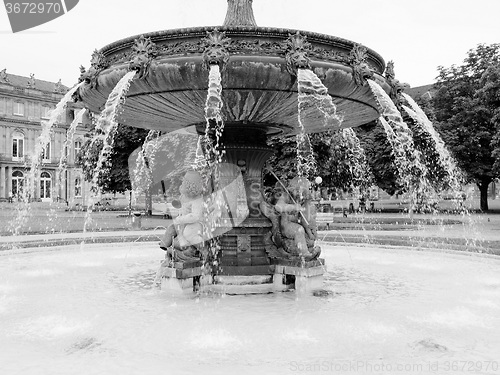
{"x":418,"y":36}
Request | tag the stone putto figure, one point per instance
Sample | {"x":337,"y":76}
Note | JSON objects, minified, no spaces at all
{"x":293,"y":215}
{"x":183,"y":239}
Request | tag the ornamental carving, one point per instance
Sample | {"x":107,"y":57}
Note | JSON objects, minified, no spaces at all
{"x":3,"y":76}
{"x":98,"y":63}
{"x":292,"y":213}
{"x":361,"y":71}
{"x":397,"y":87}
{"x":257,"y":46}
{"x":249,"y":46}
{"x":216,"y":49}
{"x":184,"y":48}
{"x":144,"y":52}
{"x":296,"y":56}
{"x":59,"y":88}
{"x":31,"y":82}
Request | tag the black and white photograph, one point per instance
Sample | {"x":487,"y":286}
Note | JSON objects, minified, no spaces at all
{"x":249,"y":187}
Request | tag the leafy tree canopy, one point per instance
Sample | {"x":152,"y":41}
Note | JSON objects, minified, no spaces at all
{"x":116,"y":178}
{"x":466,"y":114}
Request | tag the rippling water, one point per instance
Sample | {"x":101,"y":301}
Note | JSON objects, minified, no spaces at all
{"x":95,"y":311}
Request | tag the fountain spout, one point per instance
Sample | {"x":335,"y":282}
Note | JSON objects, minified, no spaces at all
{"x":239,"y":13}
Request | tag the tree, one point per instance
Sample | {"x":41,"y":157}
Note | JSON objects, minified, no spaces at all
{"x":380,"y":156}
{"x":339,"y":160}
{"x":490,"y":94}
{"x":117,"y":177}
{"x":465,"y":117}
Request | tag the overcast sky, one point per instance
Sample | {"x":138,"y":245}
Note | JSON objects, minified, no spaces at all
{"x":417,"y":35}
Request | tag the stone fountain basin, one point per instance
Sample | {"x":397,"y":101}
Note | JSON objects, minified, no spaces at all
{"x":62,"y":309}
{"x":257,"y":88}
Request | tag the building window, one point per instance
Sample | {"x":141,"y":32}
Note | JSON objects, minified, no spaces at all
{"x":45,"y":112}
{"x":78,"y":147}
{"x":17,"y":146}
{"x":18,"y":109}
{"x":45,"y":185}
{"x":78,"y":187}
{"x":2,"y":105}
{"x":46,"y":152}
{"x":17,"y":183}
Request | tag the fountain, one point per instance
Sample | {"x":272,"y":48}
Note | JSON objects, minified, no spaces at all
{"x":223,"y":92}
{"x":263,"y":82}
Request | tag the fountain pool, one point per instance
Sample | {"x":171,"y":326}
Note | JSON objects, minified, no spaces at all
{"x":95,"y":310}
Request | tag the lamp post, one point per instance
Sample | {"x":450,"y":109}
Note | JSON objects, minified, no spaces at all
{"x":317,"y":181}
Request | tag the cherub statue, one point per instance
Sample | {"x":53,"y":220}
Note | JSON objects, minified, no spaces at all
{"x":294,"y":221}
{"x":183,"y":239}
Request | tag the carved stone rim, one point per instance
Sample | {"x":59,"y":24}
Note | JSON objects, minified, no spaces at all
{"x":242,"y":31}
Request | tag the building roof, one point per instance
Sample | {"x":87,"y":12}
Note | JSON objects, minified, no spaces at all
{"x":32,"y":83}
{"x":417,"y":92}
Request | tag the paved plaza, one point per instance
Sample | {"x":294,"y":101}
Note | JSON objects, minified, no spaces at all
{"x":52,"y":225}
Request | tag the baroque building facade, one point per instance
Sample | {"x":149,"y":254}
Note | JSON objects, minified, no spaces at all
{"x":24,"y":103}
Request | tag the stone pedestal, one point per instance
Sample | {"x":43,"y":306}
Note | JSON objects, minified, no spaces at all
{"x":242,"y":249}
{"x":283,"y":275}
{"x":243,"y":263}
{"x":303,"y":277}
{"x":180,"y":277}
{"x":256,"y":284}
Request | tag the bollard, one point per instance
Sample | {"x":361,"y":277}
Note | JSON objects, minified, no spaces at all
{"x":136,"y":220}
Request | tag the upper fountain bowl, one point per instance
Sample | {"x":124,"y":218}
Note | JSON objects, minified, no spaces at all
{"x":258,"y":67}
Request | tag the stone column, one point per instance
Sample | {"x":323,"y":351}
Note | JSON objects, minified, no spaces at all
{"x":2,"y":183}
{"x":64,"y":185}
{"x":8,"y":186}
{"x":239,"y":13}
{"x":242,"y":243}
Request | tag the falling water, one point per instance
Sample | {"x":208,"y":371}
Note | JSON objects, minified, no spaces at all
{"x":104,"y":133}
{"x":213,"y":116}
{"x":312,"y":95}
{"x":358,"y":165}
{"x":67,"y":144}
{"x":215,"y":205}
{"x":445,"y":159}
{"x":36,"y":159}
{"x":413,"y":174}
{"x":162,"y":158}
{"x":199,"y":163}
{"x":306,"y":162}
{"x":142,"y":175}
{"x":398,"y":153}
